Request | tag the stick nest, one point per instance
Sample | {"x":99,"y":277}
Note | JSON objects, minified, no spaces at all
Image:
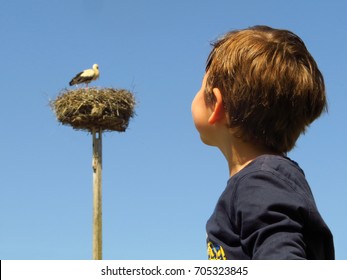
{"x":95,"y":108}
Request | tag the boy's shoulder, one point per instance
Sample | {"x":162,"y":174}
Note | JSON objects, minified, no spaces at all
{"x":273,"y":164}
{"x":271,"y":175}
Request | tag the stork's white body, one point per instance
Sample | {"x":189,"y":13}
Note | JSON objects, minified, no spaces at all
{"x":86,"y":76}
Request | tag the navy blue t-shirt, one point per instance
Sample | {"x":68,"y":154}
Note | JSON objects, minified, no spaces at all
{"x":267,"y":211}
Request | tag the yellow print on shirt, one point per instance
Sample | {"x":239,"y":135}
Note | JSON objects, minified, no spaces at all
{"x":215,"y":252}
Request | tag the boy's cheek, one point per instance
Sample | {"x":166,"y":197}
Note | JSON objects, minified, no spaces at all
{"x":200,"y":120}
{"x":204,"y":130}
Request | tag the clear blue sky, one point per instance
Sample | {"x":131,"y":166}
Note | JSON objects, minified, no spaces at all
{"x":160,"y":183}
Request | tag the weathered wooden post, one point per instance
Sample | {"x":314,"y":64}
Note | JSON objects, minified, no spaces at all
{"x":96,"y":110}
{"x":97,"y":194}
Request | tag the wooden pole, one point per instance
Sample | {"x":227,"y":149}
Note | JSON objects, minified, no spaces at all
{"x":97,"y":199}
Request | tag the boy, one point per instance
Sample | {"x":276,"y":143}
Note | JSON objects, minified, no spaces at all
{"x":262,"y":88}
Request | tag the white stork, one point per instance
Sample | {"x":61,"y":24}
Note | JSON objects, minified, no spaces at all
{"x":86,"y":76}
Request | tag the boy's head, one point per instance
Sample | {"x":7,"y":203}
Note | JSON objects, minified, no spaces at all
{"x":271,"y":86}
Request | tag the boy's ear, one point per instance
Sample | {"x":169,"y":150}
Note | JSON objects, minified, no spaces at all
{"x":218,"y":112}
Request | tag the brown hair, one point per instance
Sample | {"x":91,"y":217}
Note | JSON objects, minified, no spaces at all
{"x":272,"y":88}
